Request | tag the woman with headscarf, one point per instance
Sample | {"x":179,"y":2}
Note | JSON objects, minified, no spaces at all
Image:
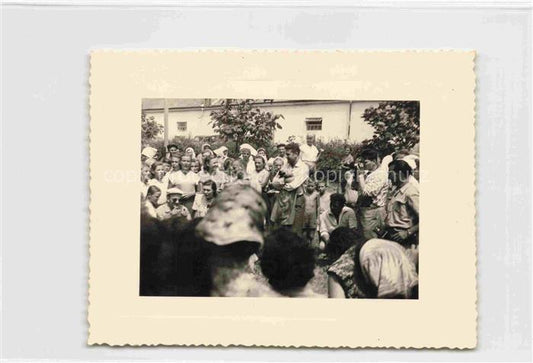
{"x":373,"y":269}
{"x":247,"y":156}
{"x":222,"y":154}
{"x":373,"y":198}
{"x":148,"y":156}
{"x":262,"y":153}
{"x":206,"y":153}
{"x":190,"y":151}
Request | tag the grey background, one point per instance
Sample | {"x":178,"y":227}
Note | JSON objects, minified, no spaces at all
{"x":45,"y":127}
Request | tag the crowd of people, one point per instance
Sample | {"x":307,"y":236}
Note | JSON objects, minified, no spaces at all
{"x":259,"y":225}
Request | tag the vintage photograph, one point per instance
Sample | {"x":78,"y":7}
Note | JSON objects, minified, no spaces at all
{"x":279,"y":198}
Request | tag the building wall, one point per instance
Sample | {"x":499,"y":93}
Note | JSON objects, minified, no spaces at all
{"x":335,"y":120}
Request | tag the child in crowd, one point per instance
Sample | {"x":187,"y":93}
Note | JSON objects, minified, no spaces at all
{"x":324,"y":197}
{"x":350,"y":190}
{"x":312,"y":204}
{"x":167,"y":166}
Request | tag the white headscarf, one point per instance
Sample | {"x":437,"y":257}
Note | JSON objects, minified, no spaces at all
{"x":385,"y":162}
{"x":253,"y":152}
{"x":411,"y":160}
{"x":149,"y":152}
{"x":191,"y":149}
{"x":220,"y":151}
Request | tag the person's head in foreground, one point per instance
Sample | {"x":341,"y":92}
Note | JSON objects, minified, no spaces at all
{"x":399,"y":172}
{"x":373,"y":269}
{"x":288,"y":262}
{"x":234,"y":227}
{"x":340,"y":240}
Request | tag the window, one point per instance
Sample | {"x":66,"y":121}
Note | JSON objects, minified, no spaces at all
{"x":182,"y":126}
{"x":313,"y":123}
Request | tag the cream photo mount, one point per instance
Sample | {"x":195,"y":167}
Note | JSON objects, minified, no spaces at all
{"x":443,"y":81}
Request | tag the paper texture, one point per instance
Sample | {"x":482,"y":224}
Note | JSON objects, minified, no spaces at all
{"x":445,"y":313}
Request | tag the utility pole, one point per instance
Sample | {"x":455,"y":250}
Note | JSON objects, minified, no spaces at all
{"x":349,"y":119}
{"x":165,"y":137}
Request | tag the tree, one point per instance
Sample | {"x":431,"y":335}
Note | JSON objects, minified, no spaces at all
{"x":241,"y":122}
{"x":150,"y":129}
{"x":396,"y":125}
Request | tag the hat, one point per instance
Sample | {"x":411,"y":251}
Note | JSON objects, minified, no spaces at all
{"x":411,"y":160}
{"x":238,"y":215}
{"x":174,"y":191}
{"x":220,"y":151}
{"x":253,"y":152}
{"x":149,"y":152}
{"x":149,"y":162}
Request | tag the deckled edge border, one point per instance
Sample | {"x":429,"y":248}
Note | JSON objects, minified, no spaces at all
{"x":316,"y":346}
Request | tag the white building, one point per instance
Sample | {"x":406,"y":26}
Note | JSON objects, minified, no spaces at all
{"x":327,"y":119}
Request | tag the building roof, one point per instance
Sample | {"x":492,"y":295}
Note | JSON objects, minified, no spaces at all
{"x":188,"y":103}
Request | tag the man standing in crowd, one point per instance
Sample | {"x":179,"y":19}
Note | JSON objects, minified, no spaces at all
{"x":373,"y":191}
{"x":288,"y":210}
{"x":309,"y":153}
{"x":403,"y":207}
{"x":338,"y":215}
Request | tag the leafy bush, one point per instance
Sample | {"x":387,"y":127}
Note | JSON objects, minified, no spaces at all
{"x":333,"y":153}
{"x":240,"y":121}
{"x":396,"y":125}
{"x":150,"y":129}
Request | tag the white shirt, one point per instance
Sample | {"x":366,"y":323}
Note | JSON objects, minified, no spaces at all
{"x":186,"y":182}
{"x":308,"y":153}
{"x":162,"y":185}
{"x":300,"y":171}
